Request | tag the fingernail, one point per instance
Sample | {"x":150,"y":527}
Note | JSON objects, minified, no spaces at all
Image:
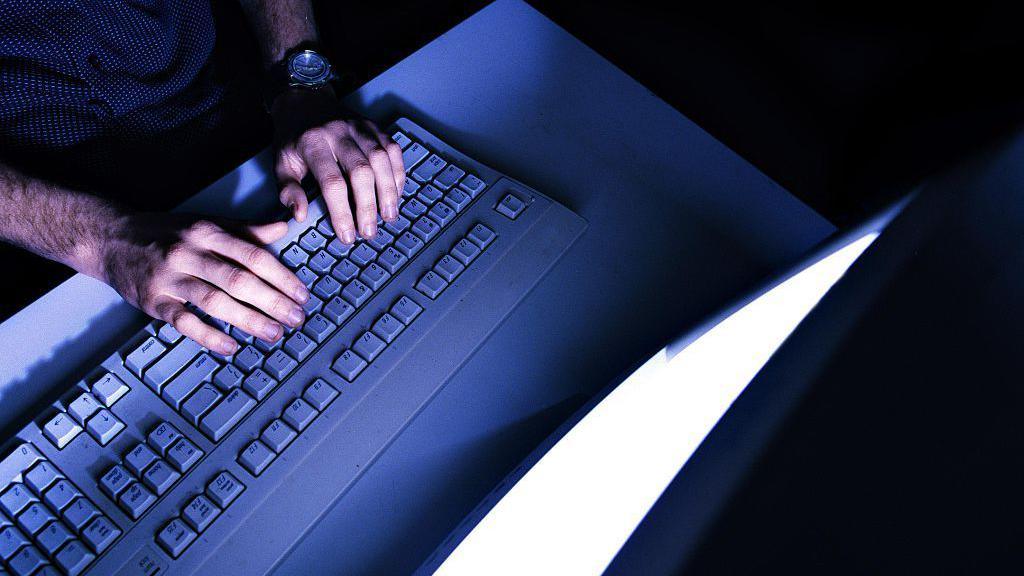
{"x":390,"y":213}
{"x":228,"y":347}
{"x":301,"y":295}
{"x":272,"y":332}
{"x":369,"y":231}
{"x":348,"y":236}
{"x":295,"y":317}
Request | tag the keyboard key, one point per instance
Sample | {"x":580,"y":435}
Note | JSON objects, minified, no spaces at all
{"x":61,"y":430}
{"x":322,"y":262}
{"x":426,"y":229}
{"x":405,"y":310}
{"x":199,"y":403}
{"x":410,"y":188}
{"x":338,"y":249}
{"x":110,"y":388}
{"x":170,"y":364}
{"x":228,"y":377}
{"x":428,"y":169}
{"x":11,"y":540}
{"x":374,"y":276}
{"x":319,"y":394}
{"x":402,"y":140}
{"x":413,"y":209}
{"x":457,"y":199}
{"x":387,"y":328}
{"x":225,"y":415}
{"x":183,"y":455}
{"x":60,"y":494}
{"x":399,"y":224}
{"x":293,"y":256}
{"x":198,"y":371}
{"x":481,"y":235}
{"x":327,"y":287}
{"x":465,"y":251}
{"x":299,"y":346}
{"x":55,"y":535}
{"x":356,"y":293}
{"x":429,"y":195}
{"x":312,"y":240}
{"x":162,"y":437}
{"x":175,"y":537}
{"x":382,"y":240}
{"x":27,"y":560}
{"x":448,"y":267}
{"x":345,"y":271}
{"x":318,"y":328}
{"x":413,"y":155}
{"x":307,"y":276}
{"x":160,"y":477}
{"x":82,"y":407}
{"x":248,"y":359}
{"x":200,"y":513}
{"x":41,"y":476}
{"x":259,"y":384}
{"x":299,"y":414}
{"x":325,"y":228}
{"x":362,"y":254}
{"x":348,"y":365}
{"x":337,"y":310}
{"x":449,"y":177}
{"x":256,"y":457}
{"x":16,"y":498}
{"x":114,"y":481}
{"x":79,"y":513}
{"x":34,"y":517}
{"x":224,"y":489}
{"x":431,"y":285}
{"x":144,"y":355}
{"x":511,"y":206}
{"x":278,"y":435}
{"x":391,"y":259}
{"x":442,"y":214}
{"x":312,"y":306}
{"x":104,"y":426}
{"x":369,"y":346}
{"x":168,"y":333}
{"x":139,"y":458}
{"x":241,"y":336}
{"x":100,"y":534}
{"x":473,"y":185}
{"x":279,"y":365}
{"x":408,"y":244}
{"x":136,"y":500}
{"x":268,"y":347}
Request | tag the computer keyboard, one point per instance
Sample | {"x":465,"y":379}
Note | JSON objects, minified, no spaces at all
{"x":171,"y":459}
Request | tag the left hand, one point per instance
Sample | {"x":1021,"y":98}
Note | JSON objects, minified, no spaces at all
{"x":353,"y":161}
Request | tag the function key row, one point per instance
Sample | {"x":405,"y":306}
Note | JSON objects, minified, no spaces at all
{"x":369,"y":345}
{"x":278,"y":434}
{"x":149,"y":470}
{"x":449,"y":266}
{"x":46,"y":523}
{"x":89,"y":411}
{"x":199,"y":513}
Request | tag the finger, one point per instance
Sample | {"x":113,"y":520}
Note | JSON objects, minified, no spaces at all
{"x":245,"y":286}
{"x":321,"y":162}
{"x":290,"y":170}
{"x":361,"y":177}
{"x":258,"y":259}
{"x":219,"y":304}
{"x":174,"y":313}
{"x":266,"y":233}
{"x":394,"y":154}
{"x":384,"y":177}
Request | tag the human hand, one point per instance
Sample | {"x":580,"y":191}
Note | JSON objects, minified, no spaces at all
{"x":160,"y":261}
{"x":351,"y":159}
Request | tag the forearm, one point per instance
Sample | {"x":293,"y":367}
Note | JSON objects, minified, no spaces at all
{"x":53,"y":222}
{"x":280,"y":25}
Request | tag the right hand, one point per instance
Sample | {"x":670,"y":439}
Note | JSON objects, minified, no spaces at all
{"x":160,"y":261}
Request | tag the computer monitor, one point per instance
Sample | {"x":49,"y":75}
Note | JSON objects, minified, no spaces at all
{"x":570,"y":507}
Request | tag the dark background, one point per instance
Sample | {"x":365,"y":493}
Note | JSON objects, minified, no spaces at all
{"x":845,"y":107}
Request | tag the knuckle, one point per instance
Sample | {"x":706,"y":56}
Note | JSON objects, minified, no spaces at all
{"x":377,"y":155}
{"x":393,"y":149}
{"x":211,"y":300}
{"x":177,"y":318}
{"x":255,"y":257}
{"x":202,"y":227}
{"x":237,"y":280}
{"x":361,"y":173}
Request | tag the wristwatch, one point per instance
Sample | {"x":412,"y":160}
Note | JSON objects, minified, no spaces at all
{"x":302,"y":67}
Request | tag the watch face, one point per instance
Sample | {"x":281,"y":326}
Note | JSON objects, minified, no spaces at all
{"x":308,"y":67}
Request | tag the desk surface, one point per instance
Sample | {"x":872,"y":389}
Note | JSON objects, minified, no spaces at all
{"x":679,"y":225}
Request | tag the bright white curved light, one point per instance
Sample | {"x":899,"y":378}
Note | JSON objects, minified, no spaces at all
{"x":573,"y":511}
